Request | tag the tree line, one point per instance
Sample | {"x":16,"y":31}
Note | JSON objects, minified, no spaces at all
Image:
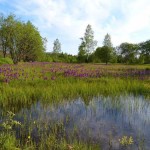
{"x":22,"y":42}
{"x":124,"y":53}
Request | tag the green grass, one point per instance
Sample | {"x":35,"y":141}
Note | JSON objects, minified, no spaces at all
{"x":22,"y":92}
{"x":5,"y":61}
{"x":9,"y":142}
{"x":71,"y":88}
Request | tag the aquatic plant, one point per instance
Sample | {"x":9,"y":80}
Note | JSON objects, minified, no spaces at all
{"x":126,"y":141}
{"x":9,"y":121}
{"x":7,"y":135}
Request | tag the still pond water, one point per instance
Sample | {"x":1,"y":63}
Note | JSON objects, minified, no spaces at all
{"x":101,"y":120}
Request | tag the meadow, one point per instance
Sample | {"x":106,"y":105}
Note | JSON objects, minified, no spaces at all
{"x":56,"y":81}
{"x":26,"y":84}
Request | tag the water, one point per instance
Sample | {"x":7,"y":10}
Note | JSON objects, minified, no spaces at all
{"x":102,"y":120}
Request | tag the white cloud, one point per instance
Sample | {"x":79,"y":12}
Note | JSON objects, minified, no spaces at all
{"x":67,"y":19}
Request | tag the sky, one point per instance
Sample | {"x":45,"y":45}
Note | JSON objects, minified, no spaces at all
{"x":124,"y":20}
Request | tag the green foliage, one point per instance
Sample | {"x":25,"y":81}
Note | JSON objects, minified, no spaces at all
{"x":53,"y":143}
{"x":5,"y":61}
{"x":61,"y":57}
{"x":87,"y":44}
{"x":31,"y":44}
{"x":113,"y":57}
{"x":145,"y":52}
{"x":107,"y":41}
{"x":11,"y":31}
{"x":8,"y":141}
{"x":21,"y":40}
{"x":3,"y":37}
{"x":125,"y":141}
{"x":82,"y":52}
{"x":119,"y":59}
{"x":7,"y":137}
{"x":56,"y":56}
{"x":10,"y":122}
{"x":104,"y":53}
{"x":57,"y":47}
{"x":107,"y":52}
{"x":128,"y":52}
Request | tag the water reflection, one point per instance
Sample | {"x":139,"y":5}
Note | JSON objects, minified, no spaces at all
{"x":102,"y":120}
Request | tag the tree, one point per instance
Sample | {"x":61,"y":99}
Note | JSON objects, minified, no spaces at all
{"x":82,"y":52}
{"x":144,"y":48}
{"x":31,"y":43}
{"x":3,"y":36}
{"x":22,"y":40}
{"x":89,"y":42}
{"x":57,"y":47}
{"x":104,"y":53}
{"x":129,"y":52}
{"x":113,"y":55}
{"x":12,"y":28}
{"x":44,"y":43}
{"x":107,"y":41}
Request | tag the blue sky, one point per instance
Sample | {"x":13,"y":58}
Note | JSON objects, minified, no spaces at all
{"x":124,"y":20}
